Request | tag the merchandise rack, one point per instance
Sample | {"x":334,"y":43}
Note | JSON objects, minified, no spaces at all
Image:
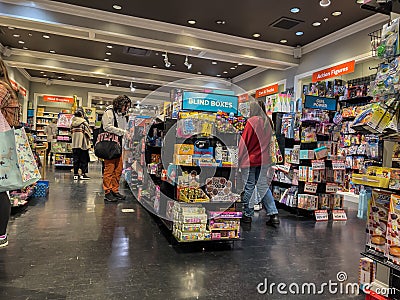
{"x":138,"y":154}
{"x":63,"y":158}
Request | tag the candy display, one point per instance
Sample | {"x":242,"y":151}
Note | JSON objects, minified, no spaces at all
{"x":393,"y":233}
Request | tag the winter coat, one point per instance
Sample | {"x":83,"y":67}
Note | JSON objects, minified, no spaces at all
{"x":80,"y":134}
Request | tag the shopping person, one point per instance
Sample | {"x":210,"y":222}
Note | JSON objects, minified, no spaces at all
{"x":10,"y":108}
{"x":113,"y":167}
{"x":81,"y":142}
{"x":51,"y":132}
{"x":255,"y":160}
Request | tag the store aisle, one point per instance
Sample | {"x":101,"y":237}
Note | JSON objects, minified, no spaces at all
{"x":75,"y":246}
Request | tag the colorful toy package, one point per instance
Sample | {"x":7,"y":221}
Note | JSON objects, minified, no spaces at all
{"x":393,"y":232}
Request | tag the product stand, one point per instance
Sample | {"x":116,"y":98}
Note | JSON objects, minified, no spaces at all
{"x":62,"y":149}
{"x":149,"y":168}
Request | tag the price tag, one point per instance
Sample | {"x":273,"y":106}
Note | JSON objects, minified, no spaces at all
{"x":331,"y":188}
{"x":338,"y":165}
{"x":310,"y":188}
{"x":321,"y":215}
{"x":339,"y":215}
{"x":318,"y":164}
{"x":284,"y":168}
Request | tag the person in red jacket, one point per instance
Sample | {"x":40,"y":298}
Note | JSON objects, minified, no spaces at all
{"x":255,"y":161}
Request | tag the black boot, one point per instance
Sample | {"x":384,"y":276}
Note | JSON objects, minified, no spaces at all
{"x":273,"y":220}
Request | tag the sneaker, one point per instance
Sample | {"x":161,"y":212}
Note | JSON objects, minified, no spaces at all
{"x":246,"y":219}
{"x":273,"y":220}
{"x":84,"y":177}
{"x":118,"y":196}
{"x":258,"y":207}
{"x":76,"y":177}
{"x":110,"y":197}
{"x":3,"y":242}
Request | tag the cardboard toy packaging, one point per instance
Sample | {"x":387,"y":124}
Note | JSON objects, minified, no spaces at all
{"x":366,"y":272}
{"x":378,"y":211}
{"x":393,"y":232}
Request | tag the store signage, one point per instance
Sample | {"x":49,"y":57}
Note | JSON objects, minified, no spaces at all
{"x":339,"y":70}
{"x":318,"y":164}
{"x":339,"y":215}
{"x":269,"y":90}
{"x":58,"y":99}
{"x":243,"y":98}
{"x":320,"y":103}
{"x":209,"y":102}
{"x":310,"y":188}
{"x":321,"y":215}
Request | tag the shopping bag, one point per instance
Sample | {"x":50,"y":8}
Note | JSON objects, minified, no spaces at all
{"x":17,"y":165}
{"x":108,"y":145}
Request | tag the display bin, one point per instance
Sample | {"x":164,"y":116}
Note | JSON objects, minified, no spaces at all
{"x":42,"y":189}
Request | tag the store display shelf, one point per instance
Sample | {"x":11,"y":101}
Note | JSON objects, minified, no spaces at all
{"x":62,"y":165}
{"x":210,"y":240}
{"x":223,"y":229}
{"x":167,"y":223}
{"x":52,"y":113}
{"x":45,"y":117}
{"x":218,"y":167}
{"x":66,"y":127}
{"x":285,"y":183}
{"x":356,"y":99}
{"x":376,"y":256}
{"x":62,"y":152}
{"x":44,"y":124}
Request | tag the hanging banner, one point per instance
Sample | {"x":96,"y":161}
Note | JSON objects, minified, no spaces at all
{"x":58,"y":99}
{"x":209,"y":102}
{"x":269,"y":90}
{"x":320,"y":103}
{"x":339,"y":70}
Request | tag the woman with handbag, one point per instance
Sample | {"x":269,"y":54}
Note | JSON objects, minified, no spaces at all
{"x":114,"y":122}
{"x":10,"y":108}
{"x":80,"y":144}
{"x":256,"y":160}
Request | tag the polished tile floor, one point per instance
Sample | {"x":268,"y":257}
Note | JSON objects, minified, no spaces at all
{"x":74,"y":246}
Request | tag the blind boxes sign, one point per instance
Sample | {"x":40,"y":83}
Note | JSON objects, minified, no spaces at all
{"x":209,"y":102}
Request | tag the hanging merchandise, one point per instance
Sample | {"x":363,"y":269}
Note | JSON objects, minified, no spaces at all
{"x":389,"y":46}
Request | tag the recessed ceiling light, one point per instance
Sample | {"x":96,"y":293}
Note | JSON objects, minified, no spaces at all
{"x":214,"y":62}
{"x":41,"y":72}
{"x":283,"y":41}
{"x":72,"y":78}
{"x":218,"y":75}
{"x":100,"y":82}
{"x":44,"y":75}
{"x":220,"y":22}
{"x":52,"y":51}
{"x":16,"y":35}
{"x":360,"y":1}
{"x":199,"y":73}
{"x":191,"y":22}
{"x":30,"y":34}
{"x":256,"y":35}
{"x":316,"y":24}
{"x":109,"y":46}
{"x":11,"y":28}
{"x":225,"y":72}
{"x":107,"y":59}
{"x":326,"y":19}
{"x":154,"y":66}
{"x":25,"y":48}
{"x":295,"y":10}
{"x":21,"y":42}
{"x":298,"y":33}
{"x":117,"y":7}
{"x":239,"y":64}
{"x":336,"y":13}
{"x":325,"y":3}
{"x":108,"y":53}
{"x":46,"y":36}
{"x":59,"y":77}
{"x":232,"y":68}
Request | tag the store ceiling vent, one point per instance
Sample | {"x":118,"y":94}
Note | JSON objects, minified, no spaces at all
{"x":285,"y":23}
{"x":137,"y":51}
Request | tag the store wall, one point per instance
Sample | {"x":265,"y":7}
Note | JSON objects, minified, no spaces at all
{"x":18,"y":77}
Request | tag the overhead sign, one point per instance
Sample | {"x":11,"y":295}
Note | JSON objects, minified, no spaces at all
{"x":58,"y":99}
{"x":269,"y":90}
{"x":320,"y":103}
{"x":209,"y":102}
{"x":339,"y":70}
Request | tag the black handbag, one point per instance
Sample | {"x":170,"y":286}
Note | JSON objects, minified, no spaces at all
{"x":108,"y":145}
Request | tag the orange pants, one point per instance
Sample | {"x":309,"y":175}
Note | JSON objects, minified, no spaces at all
{"x":112,"y":174}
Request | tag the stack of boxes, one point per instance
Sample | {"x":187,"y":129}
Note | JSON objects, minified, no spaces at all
{"x":190,"y":222}
{"x":224,"y":225}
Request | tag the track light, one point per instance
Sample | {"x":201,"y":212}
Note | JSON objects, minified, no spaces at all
{"x":187,"y":63}
{"x":132,"y":88}
{"x":108,"y":84}
{"x":166,"y":61}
